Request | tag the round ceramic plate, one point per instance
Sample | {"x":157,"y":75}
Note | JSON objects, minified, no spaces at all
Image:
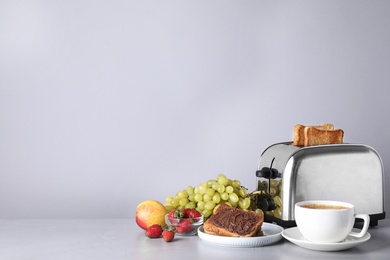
{"x":272,"y":234}
{"x":295,"y":236}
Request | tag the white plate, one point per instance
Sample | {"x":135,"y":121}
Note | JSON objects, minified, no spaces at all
{"x":272,"y":234}
{"x":295,"y":236}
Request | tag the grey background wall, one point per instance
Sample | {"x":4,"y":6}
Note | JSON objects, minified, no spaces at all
{"x":104,"y":104}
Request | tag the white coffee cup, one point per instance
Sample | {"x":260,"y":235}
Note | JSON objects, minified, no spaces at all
{"x":325,"y":221}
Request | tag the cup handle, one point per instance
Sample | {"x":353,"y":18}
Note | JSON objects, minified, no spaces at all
{"x":366,"y":219}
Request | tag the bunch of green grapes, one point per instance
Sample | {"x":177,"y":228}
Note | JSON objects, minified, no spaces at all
{"x":207,"y":196}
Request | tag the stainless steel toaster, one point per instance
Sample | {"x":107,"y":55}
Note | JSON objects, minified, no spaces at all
{"x":287,"y":174}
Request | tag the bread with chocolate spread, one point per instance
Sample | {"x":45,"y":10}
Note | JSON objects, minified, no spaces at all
{"x":234,"y":222}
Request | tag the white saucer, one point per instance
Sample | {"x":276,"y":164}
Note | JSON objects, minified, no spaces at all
{"x":272,"y":234}
{"x":295,"y":236}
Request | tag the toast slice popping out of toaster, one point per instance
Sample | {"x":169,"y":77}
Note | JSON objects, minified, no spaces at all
{"x":317,"y":135}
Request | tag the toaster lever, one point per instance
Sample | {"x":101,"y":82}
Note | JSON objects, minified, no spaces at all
{"x":269,"y":172}
{"x":265,"y":200}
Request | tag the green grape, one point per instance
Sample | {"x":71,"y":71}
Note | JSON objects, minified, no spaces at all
{"x":191,"y":197}
{"x":182,"y":194}
{"x":262,"y":186}
{"x":221,"y":175}
{"x":209,"y":205}
{"x":234,"y":204}
{"x":203,"y":188}
{"x":183,"y":201}
{"x":221,"y":188}
{"x":216,"y":207}
{"x":229,"y":189}
{"x":190,"y":205}
{"x":222,"y":179}
{"x":210,"y":183}
{"x":206,"y":213}
{"x":242,"y":192}
{"x":244,"y":203}
{"x":224,"y":196}
{"x":236,"y":183}
{"x":259,"y":211}
{"x":216,"y":198}
{"x":273,"y":191}
{"x":175,"y":202}
{"x":190,"y":190}
{"x":278,"y":201}
{"x":200,"y":205}
{"x":169,"y":207}
{"x":214,"y":186}
{"x":241,"y":203}
{"x":210,"y":192}
{"x":274,"y":183}
{"x":206,"y":197}
{"x":229,"y":182}
{"x":198,"y":197}
{"x":278,"y":213}
{"x":233,"y":197}
{"x":224,"y":182}
{"x":168,"y":200}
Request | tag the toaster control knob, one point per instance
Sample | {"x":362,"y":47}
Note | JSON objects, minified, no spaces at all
{"x":267,"y":204}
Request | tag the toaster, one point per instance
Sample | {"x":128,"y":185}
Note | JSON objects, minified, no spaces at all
{"x":287,"y":174}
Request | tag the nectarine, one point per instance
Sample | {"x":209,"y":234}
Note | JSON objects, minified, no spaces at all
{"x":150,"y":212}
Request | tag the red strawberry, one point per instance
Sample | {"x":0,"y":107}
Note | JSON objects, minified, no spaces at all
{"x":154,"y":231}
{"x":185,"y":226}
{"x":193,"y":213}
{"x":186,"y":212}
{"x":171,"y":215}
{"x":174,"y":216}
{"x":168,"y":235}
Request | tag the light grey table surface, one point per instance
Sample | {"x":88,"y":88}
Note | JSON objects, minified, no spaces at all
{"x":123,"y":239}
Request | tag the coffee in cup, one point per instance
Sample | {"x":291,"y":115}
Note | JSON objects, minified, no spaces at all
{"x":328,"y":221}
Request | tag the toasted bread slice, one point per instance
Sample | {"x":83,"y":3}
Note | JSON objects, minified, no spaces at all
{"x":299,"y":132}
{"x":315,"y":136}
{"x":234,"y":222}
{"x":299,"y":135}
